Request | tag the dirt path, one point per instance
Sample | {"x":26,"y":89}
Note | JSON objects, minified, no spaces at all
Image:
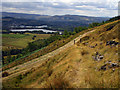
{"x":36,"y":62}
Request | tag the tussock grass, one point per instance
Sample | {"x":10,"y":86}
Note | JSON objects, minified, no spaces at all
{"x":58,"y":82}
{"x":84,"y":52}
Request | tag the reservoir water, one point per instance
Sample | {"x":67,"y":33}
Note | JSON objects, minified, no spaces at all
{"x":44,"y":30}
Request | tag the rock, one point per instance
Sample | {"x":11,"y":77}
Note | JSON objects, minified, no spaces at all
{"x":96,"y":53}
{"x":112,"y":43}
{"x":109,"y":65}
{"x":108,"y":62}
{"x":85,"y":43}
{"x":114,"y":65}
{"x":113,"y":69}
{"x":103,"y":67}
{"x":100,"y":57}
{"x":92,"y":46}
{"x":116,"y":43}
{"x":95,"y":45}
{"x":97,"y":57}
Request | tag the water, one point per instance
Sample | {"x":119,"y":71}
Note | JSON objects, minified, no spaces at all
{"x":44,"y":30}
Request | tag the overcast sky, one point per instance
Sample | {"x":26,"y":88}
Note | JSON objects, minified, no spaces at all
{"x":101,"y":8}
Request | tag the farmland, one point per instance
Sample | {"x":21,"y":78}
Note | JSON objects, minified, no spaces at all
{"x":18,"y":41}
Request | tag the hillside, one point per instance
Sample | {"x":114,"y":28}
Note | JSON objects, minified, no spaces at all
{"x":58,"y":21}
{"x":92,"y":62}
{"x":54,"y":18}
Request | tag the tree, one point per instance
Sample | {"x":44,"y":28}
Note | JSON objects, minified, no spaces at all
{"x":32,"y":46}
{"x":9,"y":58}
{"x":65,"y":32}
{"x":13,"y":58}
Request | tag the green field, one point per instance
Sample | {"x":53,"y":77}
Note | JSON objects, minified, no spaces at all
{"x":15,"y":35}
{"x":20,"y":40}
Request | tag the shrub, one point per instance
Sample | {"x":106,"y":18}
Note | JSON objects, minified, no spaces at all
{"x":4,"y":74}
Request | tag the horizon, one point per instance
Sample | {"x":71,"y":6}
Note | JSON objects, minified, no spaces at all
{"x":55,"y":15}
{"x":93,"y":8}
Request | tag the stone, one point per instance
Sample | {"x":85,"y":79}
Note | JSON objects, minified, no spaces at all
{"x":112,"y":43}
{"x":100,"y":57}
{"x":103,"y":67}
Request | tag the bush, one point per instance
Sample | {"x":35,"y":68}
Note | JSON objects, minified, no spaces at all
{"x":5,"y":74}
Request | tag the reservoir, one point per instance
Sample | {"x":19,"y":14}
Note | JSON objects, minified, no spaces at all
{"x":44,"y":30}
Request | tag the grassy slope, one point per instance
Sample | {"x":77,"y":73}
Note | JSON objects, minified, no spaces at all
{"x":74,"y":67}
{"x":51,"y":47}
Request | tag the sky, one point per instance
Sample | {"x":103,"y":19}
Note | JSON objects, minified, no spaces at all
{"x":97,"y":8}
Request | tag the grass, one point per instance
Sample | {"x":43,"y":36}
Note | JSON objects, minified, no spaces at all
{"x":51,"y":47}
{"x":72,"y":69}
{"x":84,"y":52}
{"x":58,"y":82}
{"x":20,"y":40}
{"x":14,"y":35}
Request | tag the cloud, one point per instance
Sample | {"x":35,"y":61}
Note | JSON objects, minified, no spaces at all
{"x":61,"y":7}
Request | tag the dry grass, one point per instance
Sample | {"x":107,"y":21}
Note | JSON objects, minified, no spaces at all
{"x":75,"y":68}
{"x":84,"y":52}
{"x":58,"y":82}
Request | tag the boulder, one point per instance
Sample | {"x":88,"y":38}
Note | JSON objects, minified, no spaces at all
{"x":103,"y":67}
{"x":111,"y":43}
{"x":97,"y":57}
{"x":100,"y":57}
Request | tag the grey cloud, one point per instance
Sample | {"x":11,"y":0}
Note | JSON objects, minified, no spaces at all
{"x":97,"y":5}
{"x":60,"y":8}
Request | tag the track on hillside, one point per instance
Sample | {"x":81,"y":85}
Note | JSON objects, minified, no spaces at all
{"x":36,"y":62}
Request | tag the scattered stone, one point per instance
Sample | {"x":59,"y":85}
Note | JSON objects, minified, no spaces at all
{"x":95,"y":45}
{"x":103,"y":67}
{"x":100,"y":57}
{"x":97,"y":53}
{"x":101,"y":43}
{"x":113,"y":69}
{"x":114,"y":65}
{"x":109,"y":65}
{"x":85,"y":43}
{"x":108,"y":62}
{"x":97,"y":57}
{"x":112,"y":43}
{"x":92,"y":46}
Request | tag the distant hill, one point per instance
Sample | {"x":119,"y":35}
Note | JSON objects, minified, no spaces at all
{"x":114,"y":18}
{"x":23,"y":15}
{"x":58,"y":21}
{"x":54,"y":18}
